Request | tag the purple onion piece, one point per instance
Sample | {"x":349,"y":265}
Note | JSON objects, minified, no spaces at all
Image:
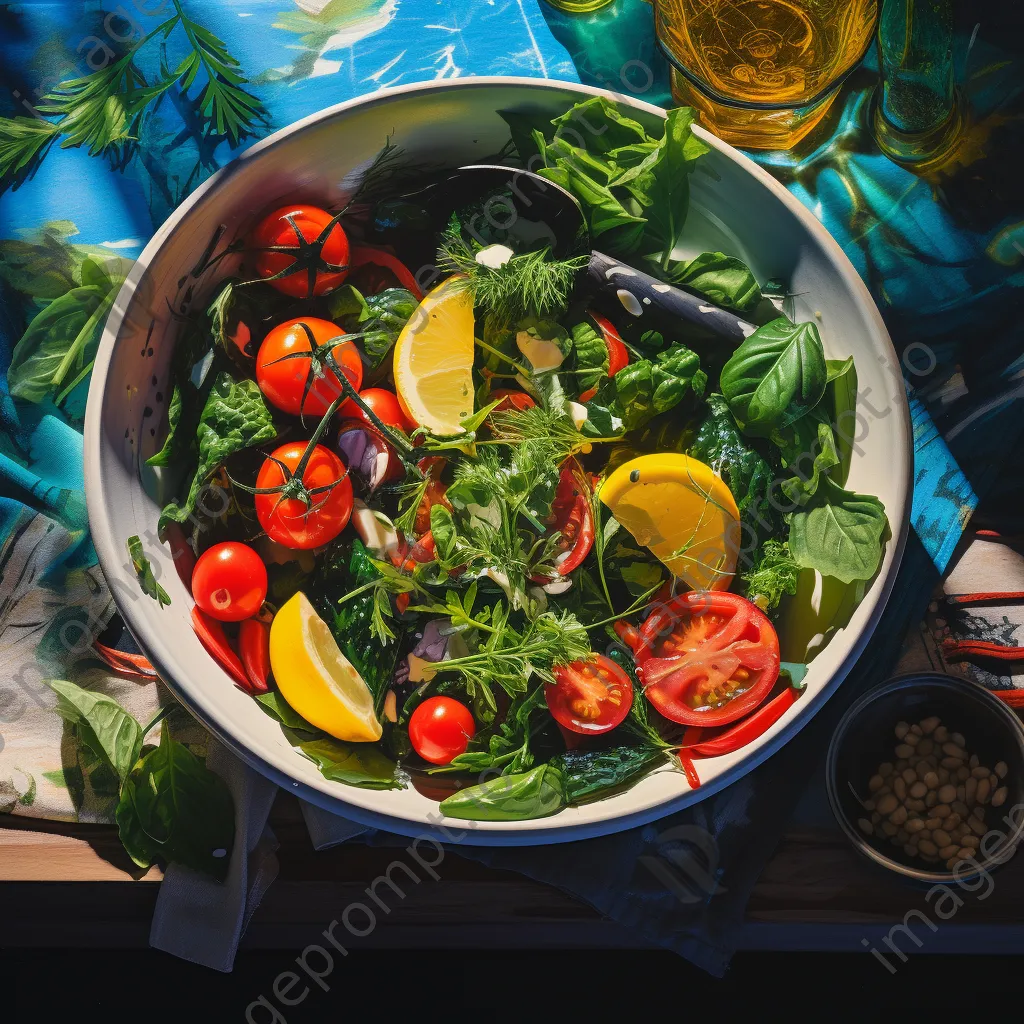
{"x":365,"y":453}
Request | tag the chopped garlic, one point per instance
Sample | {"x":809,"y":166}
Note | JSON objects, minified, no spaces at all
{"x":578,"y":413}
{"x":375,"y":530}
{"x":494,"y":256}
{"x":542,"y":353}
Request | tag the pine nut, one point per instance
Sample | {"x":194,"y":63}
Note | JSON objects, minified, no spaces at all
{"x":915,"y":730}
{"x":960,"y":807}
{"x":946,"y":852}
{"x":929,"y":725}
{"x":1001,"y":769}
{"x":941,"y":734}
{"x":927,"y":847}
{"x":885,"y":769}
{"x":976,"y":826}
{"x":904,"y":750}
{"x":940,"y":837}
{"x":960,"y":793}
{"x":943,"y":775}
{"x":979,"y":773}
{"x":902,"y":837}
{"x":918,"y":790}
{"x":901,"y":730}
{"x":909,"y":776}
{"x":958,"y":739}
{"x":947,"y":794}
{"x":970,"y":842}
{"x":933,"y":823}
{"x":899,"y":787}
{"x":952,"y":822}
{"x":899,"y":816}
{"x":984,"y":789}
{"x":875,"y":783}
{"x":910,"y":851}
{"x":913,"y":825}
{"x":915,"y":805}
{"x":965,"y":853}
{"x":1000,"y":795}
{"x":901,"y":764}
{"x":888,"y":828}
{"x":865,"y":825}
{"x":887,"y":804}
{"x":974,"y":761}
{"x":993,"y":781}
{"x":931,"y":780}
{"x":970,"y":790}
{"x":951,"y":763}
{"x":925,"y":746}
{"x":963,"y":773}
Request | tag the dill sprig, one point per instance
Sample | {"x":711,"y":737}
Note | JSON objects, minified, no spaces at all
{"x":530,"y":284}
{"x":549,"y":434}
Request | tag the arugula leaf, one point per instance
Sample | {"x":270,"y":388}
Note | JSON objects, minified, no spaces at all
{"x":841,"y":390}
{"x":724,"y":280}
{"x":839,"y":534}
{"x":533,"y":794}
{"x":355,"y":764}
{"x":103,"y":725}
{"x":144,"y":573}
{"x":775,"y":376}
{"x":173,"y":808}
{"x":234,"y":417}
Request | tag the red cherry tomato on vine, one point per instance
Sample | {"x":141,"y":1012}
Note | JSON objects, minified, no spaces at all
{"x":291,"y":521}
{"x":286,"y":361}
{"x":440,"y":729}
{"x":327,"y":261}
{"x":229,"y":582}
{"x":384,"y":405}
{"x":618,"y":354}
{"x":591,"y":696}
{"x":707,"y":658}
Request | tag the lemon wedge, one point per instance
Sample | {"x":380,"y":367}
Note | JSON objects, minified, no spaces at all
{"x":682,"y":511}
{"x":315,"y":678}
{"x":434,"y":359}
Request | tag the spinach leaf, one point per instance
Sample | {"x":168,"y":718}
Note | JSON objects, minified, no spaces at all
{"x":601,"y":124}
{"x":376,"y":319}
{"x":355,"y":764}
{"x":839,"y":534}
{"x":234,"y":417}
{"x":280,"y":710}
{"x":144,"y":573}
{"x":841,"y":390}
{"x":775,"y":376}
{"x":746,"y":472}
{"x":103,"y":725}
{"x":533,"y":794}
{"x":723,"y":280}
{"x":590,"y":773}
{"x":60,"y":339}
{"x":643,"y":389}
{"x":173,"y":808}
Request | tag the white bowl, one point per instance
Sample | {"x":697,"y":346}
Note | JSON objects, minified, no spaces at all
{"x":735,"y":207}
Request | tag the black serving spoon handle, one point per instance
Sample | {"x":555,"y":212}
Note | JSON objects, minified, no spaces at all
{"x":640,"y":293}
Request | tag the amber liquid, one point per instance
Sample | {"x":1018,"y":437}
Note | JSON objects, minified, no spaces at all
{"x":782,"y":57}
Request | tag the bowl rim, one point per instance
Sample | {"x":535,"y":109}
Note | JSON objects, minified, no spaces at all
{"x":906,"y":680}
{"x":363,"y":806}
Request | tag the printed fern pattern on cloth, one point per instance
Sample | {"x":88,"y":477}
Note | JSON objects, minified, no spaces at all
{"x":117,"y":117}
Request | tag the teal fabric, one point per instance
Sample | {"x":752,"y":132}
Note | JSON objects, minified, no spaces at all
{"x":943,"y":256}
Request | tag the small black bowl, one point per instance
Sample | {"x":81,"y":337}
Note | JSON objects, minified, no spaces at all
{"x":864,"y":739}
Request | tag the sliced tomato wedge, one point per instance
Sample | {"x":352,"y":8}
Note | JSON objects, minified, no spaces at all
{"x":707,"y":658}
{"x":432,"y":466}
{"x":372,"y":270}
{"x":618,"y":354}
{"x":591,"y":696}
{"x":572,"y":518}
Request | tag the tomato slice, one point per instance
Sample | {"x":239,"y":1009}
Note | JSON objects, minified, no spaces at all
{"x":572,"y":518}
{"x":707,"y":658}
{"x":591,"y":696}
{"x":618,"y":354}
{"x":372,"y":270}
{"x":511,"y":400}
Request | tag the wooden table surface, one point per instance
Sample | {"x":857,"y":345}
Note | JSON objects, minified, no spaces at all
{"x":72,"y":885}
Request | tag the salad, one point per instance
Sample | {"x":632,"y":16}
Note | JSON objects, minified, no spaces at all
{"x":475,"y":528}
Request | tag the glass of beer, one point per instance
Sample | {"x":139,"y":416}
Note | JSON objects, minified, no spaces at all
{"x":762,"y":73}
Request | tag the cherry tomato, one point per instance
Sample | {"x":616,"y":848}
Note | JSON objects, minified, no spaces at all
{"x":511,"y":400}
{"x":373,"y":270}
{"x":432,"y":465}
{"x":384,"y":405}
{"x":322,"y":266}
{"x":292,"y":522}
{"x":590,"y":696}
{"x":618,"y":354}
{"x":707,"y":658}
{"x":229,"y":582}
{"x":440,"y":729}
{"x":286,"y":361}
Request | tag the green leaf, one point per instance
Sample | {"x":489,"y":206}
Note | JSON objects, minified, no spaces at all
{"x":775,"y":574}
{"x":775,"y":376}
{"x":841,"y":389}
{"x":590,"y":774}
{"x":795,"y":672}
{"x":808,"y":451}
{"x":61,"y":336}
{"x":279,"y":709}
{"x":144,"y":573}
{"x":375,"y":321}
{"x":234,"y":418}
{"x":173,"y":808}
{"x":533,"y":794}
{"x":591,"y":354}
{"x":112,"y":733}
{"x":723,"y":280}
{"x":840,"y":534}
{"x":23,"y":143}
{"x":355,"y":764}
{"x":601,"y":124}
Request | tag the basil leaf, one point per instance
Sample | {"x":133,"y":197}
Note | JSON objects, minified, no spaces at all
{"x":840,"y":534}
{"x":533,"y":794}
{"x":234,"y":417}
{"x":521,"y":127}
{"x":375,"y":320}
{"x":355,"y":764}
{"x":601,"y":124}
{"x":841,"y":390}
{"x":173,"y":808}
{"x":775,"y":376}
{"x":60,"y":337}
{"x":279,"y":709}
{"x":103,"y":725}
{"x":591,"y":773}
{"x":808,"y":451}
{"x":144,"y":573}
{"x":723,"y":280}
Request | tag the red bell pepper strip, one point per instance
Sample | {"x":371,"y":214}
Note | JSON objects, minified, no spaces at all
{"x":361,"y":255}
{"x":135,"y":665}
{"x":688,"y":769}
{"x":618,"y":355}
{"x":254,"y":647}
{"x":212,"y":636}
{"x":748,"y":729}
{"x":628,"y":634}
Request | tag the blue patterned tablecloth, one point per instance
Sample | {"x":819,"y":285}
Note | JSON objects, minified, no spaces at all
{"x":943,"y":256}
